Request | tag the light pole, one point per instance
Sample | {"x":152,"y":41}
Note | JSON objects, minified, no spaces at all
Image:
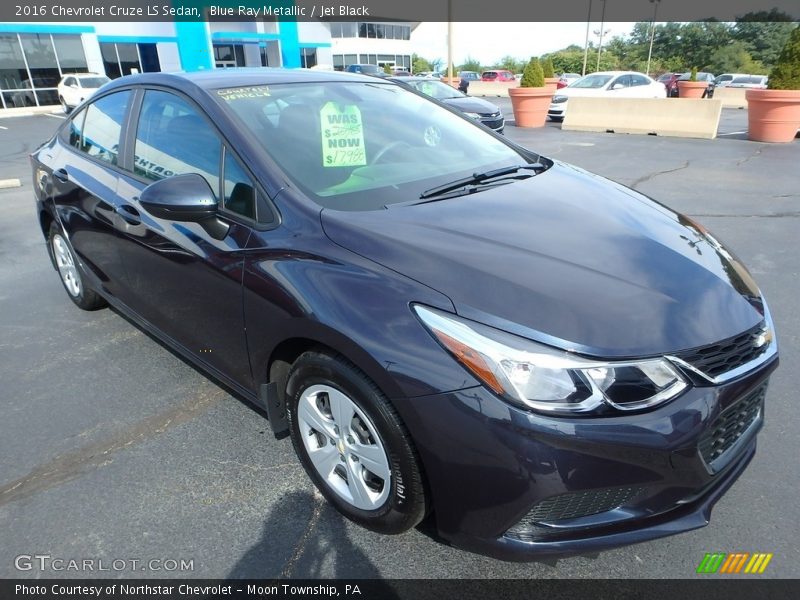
{"x":586,"y":44}
{"x":601,"y":33}
{"x":450,"y":41}
{"x":652,"y":33}
{"x":602,"y":23}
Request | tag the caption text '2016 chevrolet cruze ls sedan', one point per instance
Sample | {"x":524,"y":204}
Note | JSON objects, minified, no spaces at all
{"x":444,"y":322}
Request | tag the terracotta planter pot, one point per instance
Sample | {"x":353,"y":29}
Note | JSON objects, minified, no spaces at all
{"x":691,"y":89}
{"x":551,"y":83}
{"x":530,"y":105}
{"x":772,"y":115}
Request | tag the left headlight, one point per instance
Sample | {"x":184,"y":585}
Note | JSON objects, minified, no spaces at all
{"x":472,"y":115}
{"x":542,"y":378}
{"x":559,"y":99}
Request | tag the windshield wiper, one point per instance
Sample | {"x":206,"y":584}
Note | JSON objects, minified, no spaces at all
{"x":481,"y":179}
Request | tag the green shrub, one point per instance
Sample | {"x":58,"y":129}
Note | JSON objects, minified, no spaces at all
{"x":786,"y":73}
{"x":547,"y":67}
{"x":387,"y":69}
{"x":693,"y":76}
{"x":532,"y":76}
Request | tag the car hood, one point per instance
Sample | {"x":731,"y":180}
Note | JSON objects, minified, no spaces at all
{"x":567,"y":258}
{"x":474,"y":105}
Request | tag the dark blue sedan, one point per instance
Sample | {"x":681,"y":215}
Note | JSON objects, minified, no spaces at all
{"x":445,"y":323}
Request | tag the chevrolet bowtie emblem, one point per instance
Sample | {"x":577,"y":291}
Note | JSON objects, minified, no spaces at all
{"x":764,"y":338}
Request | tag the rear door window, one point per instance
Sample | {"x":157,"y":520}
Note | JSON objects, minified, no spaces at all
{"x":103,"y":125}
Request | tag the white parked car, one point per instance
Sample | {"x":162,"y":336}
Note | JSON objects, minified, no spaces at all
{"x":725,"y":79}
{"x":76,"y":87}
{"x":749,"y":81}
{"x":608,"y":84}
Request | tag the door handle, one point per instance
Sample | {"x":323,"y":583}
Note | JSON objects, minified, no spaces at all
{"x":129,"y":214}
{"x":61,"y":175}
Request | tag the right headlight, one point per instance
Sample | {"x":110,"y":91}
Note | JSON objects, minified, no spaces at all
{"x":545,"y":379}
{"x":559,"y":99}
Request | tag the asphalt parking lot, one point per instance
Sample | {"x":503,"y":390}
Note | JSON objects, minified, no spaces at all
{"x":111,"y":447}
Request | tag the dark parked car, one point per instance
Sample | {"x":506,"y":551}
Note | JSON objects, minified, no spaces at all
{"x":442,"y":320}
{"x":481,"y":110}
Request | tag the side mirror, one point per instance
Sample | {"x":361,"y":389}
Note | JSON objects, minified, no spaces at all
{"x":180,"y":198}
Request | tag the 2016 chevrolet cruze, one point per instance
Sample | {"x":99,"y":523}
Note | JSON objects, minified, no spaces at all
{"x":444,"y":322}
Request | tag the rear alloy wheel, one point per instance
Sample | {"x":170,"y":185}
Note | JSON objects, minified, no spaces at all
{"x":69,"y":270}
{"x":353,"y":445}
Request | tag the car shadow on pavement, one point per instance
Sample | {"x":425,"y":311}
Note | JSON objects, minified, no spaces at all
{"x":304,"y":537}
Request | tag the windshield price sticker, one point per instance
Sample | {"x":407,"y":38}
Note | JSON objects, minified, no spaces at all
{"x":342,"y":136}
{"x":256,"y":91}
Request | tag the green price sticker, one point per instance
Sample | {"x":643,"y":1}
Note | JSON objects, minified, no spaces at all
{"x":342,"y":136}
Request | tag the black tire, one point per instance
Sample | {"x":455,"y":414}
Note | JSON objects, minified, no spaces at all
{"x":407,"y":501}
{"x":64,"y":106}
{"x":85,"y":298}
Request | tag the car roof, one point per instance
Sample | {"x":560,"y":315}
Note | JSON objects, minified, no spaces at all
{"x":237,"y":77}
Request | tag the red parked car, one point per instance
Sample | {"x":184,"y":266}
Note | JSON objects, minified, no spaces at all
{"x":497,"y":76}
{"x":670,"y":81}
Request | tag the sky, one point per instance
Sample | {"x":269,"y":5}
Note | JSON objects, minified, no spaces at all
{"x":488,"y":42}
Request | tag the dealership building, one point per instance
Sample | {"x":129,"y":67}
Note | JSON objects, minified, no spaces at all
{"x":34,"y":56}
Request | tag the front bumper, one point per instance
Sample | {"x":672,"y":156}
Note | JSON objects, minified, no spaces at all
{"x":489,"y":464}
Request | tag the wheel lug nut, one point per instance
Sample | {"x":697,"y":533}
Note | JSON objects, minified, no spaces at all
{"x":355,"y":458}
{"x":333,"y":442}
{"x":350,"y":439}
{"x":341,"y":457}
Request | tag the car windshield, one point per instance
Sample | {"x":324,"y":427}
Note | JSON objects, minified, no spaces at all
{"x":362,"y":146}
{"x":94,"y":82}
{"x":436,"y":89}
{"x":591,"y":81}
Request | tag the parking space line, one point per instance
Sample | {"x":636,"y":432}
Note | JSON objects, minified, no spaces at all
{"x":10,"y":183}
{"x":2,"y":127}
{"x":54,"y":116}
{"x":732,"y":133}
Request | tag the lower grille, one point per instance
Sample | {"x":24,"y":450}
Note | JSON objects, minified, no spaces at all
{"x":571,"y":506}
{"x":729,"y":426}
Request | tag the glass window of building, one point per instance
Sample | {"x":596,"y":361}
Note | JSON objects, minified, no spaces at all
{"x":308,"y":57}
{"x":349,"y":29}
{"x":42,"y":66}
{"x":48,"y":58}
{"x":362,"y":30}
{"x":338,"y":62}
{"x":71,"y":57}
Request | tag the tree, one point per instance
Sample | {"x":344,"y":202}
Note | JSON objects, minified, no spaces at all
{"x":764,"y":34}
{"x":470,"y":64}
{"x":509,"y":63}
{"x":786,"y":74}
{"x":419,"y":64}
{"x":567,"y":60}
{"x":547,"y":67}
{"x":532,"y":76}
{"x":735,"y":58}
